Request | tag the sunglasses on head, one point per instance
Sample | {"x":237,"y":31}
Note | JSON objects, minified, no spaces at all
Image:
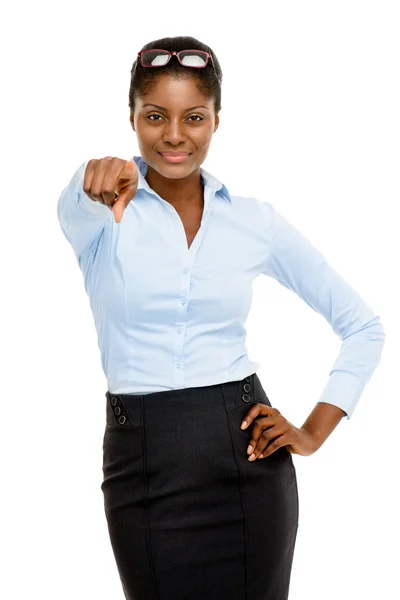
{"x":195,"y":59}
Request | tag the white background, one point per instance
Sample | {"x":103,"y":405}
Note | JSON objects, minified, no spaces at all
{"x":311,"y":124}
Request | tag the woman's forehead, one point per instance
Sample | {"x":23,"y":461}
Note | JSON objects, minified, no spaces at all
{"x":170,"y":93}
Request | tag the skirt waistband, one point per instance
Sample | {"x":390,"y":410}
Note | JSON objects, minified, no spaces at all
{"x":126,"y":410}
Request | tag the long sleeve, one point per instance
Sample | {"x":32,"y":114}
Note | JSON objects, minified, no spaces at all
{"x":299,"y":266}
{"x":82,"y":220}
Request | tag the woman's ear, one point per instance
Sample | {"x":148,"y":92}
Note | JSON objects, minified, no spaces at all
{"x":132,"y":121}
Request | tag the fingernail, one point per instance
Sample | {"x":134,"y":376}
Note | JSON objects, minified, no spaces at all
{"x":243,"y":425}
{"x":249,"y":449}
{"x":252,"y":457}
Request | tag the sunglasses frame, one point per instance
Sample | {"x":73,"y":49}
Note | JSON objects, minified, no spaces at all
{"x":174,"y":53}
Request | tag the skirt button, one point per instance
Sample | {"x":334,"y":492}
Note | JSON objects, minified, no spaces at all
{"x":248,"y":378}
{"x":122,"y":419}
{"x":113,"y":401}
{"x":247,"y":387}
{"x":246,"y":398}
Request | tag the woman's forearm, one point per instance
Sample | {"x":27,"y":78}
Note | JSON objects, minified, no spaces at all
{"x":322,"y":421}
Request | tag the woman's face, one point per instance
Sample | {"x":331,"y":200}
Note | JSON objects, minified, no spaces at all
{"x":174,"y":117}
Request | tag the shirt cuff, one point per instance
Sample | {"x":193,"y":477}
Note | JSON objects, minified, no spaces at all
{"x":343,"y":389}
{"x":94,"y":208}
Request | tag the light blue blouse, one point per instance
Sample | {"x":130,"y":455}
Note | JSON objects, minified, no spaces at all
{"x":169,"y":317}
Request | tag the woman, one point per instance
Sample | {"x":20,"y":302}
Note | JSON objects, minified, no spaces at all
{"x":199,"y":484}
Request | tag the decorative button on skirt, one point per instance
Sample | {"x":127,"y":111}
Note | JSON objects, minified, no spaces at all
{"x":189,"y":516}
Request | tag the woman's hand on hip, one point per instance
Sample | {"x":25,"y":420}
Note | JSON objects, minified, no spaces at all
{"x":273,"y":431}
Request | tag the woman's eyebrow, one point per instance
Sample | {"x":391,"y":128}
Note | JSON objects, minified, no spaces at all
{"x":166,"y":110}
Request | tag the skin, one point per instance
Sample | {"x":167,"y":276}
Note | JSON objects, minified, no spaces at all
{"x":271,"y":430}
{"x":175,"y":129}
{"x":178,"y":129}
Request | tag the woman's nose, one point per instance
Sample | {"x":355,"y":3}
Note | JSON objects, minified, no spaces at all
{"x":174,"y":132}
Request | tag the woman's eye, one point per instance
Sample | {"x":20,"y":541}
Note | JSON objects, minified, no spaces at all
{"x":191,"y":117}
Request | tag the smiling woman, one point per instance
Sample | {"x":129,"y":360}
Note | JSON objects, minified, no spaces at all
{"x":178,"y":130}
{"x":179,"y":490}
{"x":189,"y":513}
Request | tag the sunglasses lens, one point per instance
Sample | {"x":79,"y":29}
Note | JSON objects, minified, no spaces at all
{"x":155,"y":58}
{"x":193,"y":58}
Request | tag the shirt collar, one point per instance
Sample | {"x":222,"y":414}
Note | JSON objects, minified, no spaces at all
{"x":208,"y":179}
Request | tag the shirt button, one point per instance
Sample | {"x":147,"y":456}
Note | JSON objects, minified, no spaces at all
{"x":184,"y":300}
{"x":186,"y":270}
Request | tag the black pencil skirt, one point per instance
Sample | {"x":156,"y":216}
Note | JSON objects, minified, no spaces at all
{"x":189,"y":516}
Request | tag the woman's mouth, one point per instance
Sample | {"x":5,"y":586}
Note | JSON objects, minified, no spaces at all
{"x":174,"y":157}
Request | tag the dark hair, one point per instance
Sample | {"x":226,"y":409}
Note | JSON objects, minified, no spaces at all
{"x":143,"y":79}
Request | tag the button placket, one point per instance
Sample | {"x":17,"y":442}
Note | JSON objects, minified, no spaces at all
{"x":118,"y":410}
{"x":246,"y":388}
{"x":246,"y":397}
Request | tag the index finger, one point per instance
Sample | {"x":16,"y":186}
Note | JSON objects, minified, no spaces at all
{"x":255,"y":411}
{"x":125,"y":189}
